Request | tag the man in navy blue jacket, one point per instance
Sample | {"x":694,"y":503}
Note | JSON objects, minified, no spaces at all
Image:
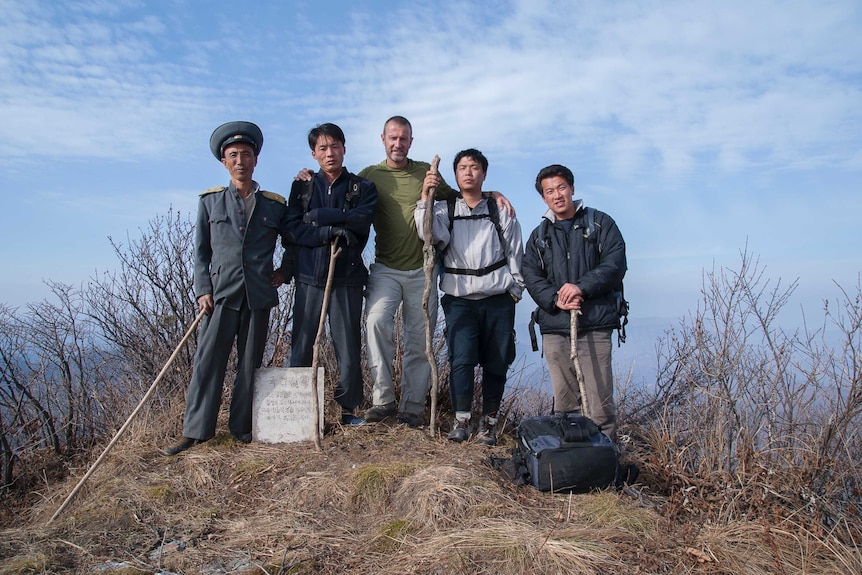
{"x":335,"y":206}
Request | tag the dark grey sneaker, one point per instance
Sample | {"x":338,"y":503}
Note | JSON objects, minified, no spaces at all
{"x":381,"y":412}
{"x":487,"y":433}
{"x":460,"y":431}
{"x":411,"y":419}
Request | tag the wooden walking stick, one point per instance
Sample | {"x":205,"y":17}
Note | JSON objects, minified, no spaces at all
{"x":579,"y":373}
{"x":429,"y":260}
{"x":334,"y":250}
{"x":131,"y":417}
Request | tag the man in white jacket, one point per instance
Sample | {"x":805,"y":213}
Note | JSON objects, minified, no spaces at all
{"x":481,"y":250}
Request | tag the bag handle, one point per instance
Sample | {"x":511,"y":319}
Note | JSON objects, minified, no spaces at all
{"x":576,"y":428}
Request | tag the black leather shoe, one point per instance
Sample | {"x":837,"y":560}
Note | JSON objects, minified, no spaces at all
{"x":243,"y":437}
{"x":185,"y":443}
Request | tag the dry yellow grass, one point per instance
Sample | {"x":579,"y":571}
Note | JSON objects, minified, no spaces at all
{"x":443,"y":496}
{"x":381,"y":500}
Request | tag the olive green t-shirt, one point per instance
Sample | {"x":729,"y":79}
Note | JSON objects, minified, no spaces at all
{"x":397,"y":244}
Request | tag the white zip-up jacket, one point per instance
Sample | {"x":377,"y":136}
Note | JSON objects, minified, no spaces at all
{"x":475,"y":244}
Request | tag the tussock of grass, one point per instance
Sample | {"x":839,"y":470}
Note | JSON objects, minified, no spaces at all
{"x":108,"y":513}
{"x":443,"y":495}
{"x":372,"y":484}
{"x":160,"y":493}
{"x":197,"y":469}
{"x":311,"y":492}
{"x":392,"y":536}
{"x":506,"y":546}
{"x":24,"y":564}
{"x":249,"y":468}
{"x":380,"y":501}
{"x":751,"y":548}
{"x":607,"y":509}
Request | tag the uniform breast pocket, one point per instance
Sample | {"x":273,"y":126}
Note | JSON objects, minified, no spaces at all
{"x":221,"y":231}
{"x":218,"y":218}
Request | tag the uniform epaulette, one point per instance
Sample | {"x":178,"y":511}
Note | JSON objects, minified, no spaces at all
{"x":214,"y":190}
{"x":274,"y":197}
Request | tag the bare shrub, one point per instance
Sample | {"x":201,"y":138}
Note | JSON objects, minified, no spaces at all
{"x":52,"y":382}
{"x":25,"y":417}
{"x":143,"y":308}
{"x":72,"y":366}
{"x":746,"y":419}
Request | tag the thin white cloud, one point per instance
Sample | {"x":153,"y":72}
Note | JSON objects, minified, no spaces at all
{"x":748,"y":84}
{"x":83,"y":87}
{"x":742,"y":84}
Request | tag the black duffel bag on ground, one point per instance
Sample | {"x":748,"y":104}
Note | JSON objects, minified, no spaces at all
{"x":566,"y":454}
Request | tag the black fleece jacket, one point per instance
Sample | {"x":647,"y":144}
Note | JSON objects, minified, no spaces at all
{"x":596,"y":264}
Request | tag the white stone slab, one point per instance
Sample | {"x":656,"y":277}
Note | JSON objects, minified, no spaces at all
{"x":283,"y":409}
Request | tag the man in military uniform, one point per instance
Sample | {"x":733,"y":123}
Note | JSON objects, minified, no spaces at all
{"x":235,"y":283}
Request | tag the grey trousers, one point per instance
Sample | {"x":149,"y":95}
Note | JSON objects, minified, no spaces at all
{"x":387,"y":289}
{"x":203,"y":399}
{"x":594,"y":353}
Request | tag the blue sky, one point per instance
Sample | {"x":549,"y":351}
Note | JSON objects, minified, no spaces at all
{"x":699,"y":126}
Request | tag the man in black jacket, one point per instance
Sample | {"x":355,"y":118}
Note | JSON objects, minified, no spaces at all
{"x":574,"y":262}
{"x":339,"y":206}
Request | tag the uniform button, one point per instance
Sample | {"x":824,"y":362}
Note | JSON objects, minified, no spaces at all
{"x":241,"y":228}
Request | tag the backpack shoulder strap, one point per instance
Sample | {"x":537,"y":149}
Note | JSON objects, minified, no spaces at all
{"x":450,"y":205}
{"x":590,"y":226}
{"x":353,"y":190}
{"x":494,"y":214}
{"x":305,"y":194}
{"x":543,"y":240}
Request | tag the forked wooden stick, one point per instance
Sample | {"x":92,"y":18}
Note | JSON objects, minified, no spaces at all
{"x":129,"y":420}
{"x":429,"y":261}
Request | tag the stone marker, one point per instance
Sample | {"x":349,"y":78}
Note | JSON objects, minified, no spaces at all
{"x":283,"y":409}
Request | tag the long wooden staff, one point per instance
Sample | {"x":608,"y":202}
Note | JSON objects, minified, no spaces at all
{"x":131,"y":417}
{"x":579,"y":373}
{"x":429,"y":261}
{"x":334,"y":250}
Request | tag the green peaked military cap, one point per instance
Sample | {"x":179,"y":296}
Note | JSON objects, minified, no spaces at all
{"x":233,"y":132}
